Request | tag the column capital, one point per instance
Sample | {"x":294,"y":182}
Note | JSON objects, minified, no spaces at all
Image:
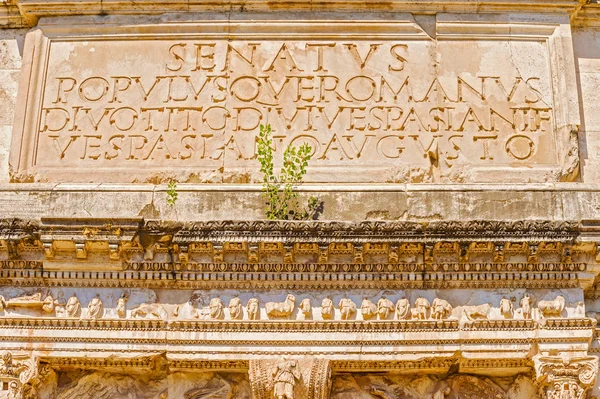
{"x":561,"y":377}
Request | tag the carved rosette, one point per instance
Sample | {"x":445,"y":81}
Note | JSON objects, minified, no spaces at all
{"x":565,"y":378}
{"x":314,"y":381}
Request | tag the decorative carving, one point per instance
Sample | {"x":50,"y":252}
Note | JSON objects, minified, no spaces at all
{"x":95,"y":308}
{"x":236,"y":310}
{"x":347,"y":308}
{"x":122,"y":305}
{"x":307,"y":378}
{"x":565,"y":377}
{"x":281,"y":309}
{"x":285,"y":375}
{"x":73,"y":306}
{"x":506,"y":308}
{"x":552,"y":308}
{"x":385,"y":308}
{"x":149,"y":311}
{"x":59,"y":304}
{"x":26,"y":301}
{"x":327,"y":309}
{"x":402,"y":309}
{"x":306,"y":308}
{"x":526,"y":306}
{"x":579,"y":310}
{"x":440,"y":309}
{"x":216,"y":309}
{"x":368,"y":309}
{"x":188,"y":310}
{"x":421,"y":309}
{"x":477,"y":312}
{"x":442,"y":393}
{"x":17,"y":371}
{"x":253,"y":309}
{"x":109,"y":385}
{"x":215,"y":388}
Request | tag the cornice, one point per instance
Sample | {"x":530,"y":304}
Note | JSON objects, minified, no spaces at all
{"x":338,"y":366}
{"x":93,"y":252}
{"x":25,"y":13}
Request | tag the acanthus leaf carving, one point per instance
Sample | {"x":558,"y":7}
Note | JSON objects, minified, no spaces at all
{"x":565,"y":377}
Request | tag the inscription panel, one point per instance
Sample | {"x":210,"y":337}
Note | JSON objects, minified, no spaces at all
{"x":393,"y":106}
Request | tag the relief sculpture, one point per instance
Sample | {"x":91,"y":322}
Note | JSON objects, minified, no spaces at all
{"x":149,"y":311}
{"x":552,"y":308}
{"x":440,"y":309}
{"x":402,"y":309}
{"x":285,"y":376}
{"x":281,"y":309}
{"x":347,"y":308}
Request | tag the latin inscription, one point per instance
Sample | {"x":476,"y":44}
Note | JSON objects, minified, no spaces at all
{"x":200,"y":103}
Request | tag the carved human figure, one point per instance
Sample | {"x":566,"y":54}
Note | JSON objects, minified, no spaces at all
{"x":95,"y":308}
{"x":526,"y":306}
{"x":73,"y":306}
{"x":327,"y":309}
{"x":59,"y":304}
{"x":305,"y":307}
{"x":2,"y":303}
{"x":236,"y":310}
{"x":285,"y":376}
{"x":421,"y":309}
{"x":253,"y":309}
{"x":440,"y":309}
{"x":506,"y":308}
{"x":385,"y":308}
{"x":48,"y":303}
{"x":368,"y":309}
{"x":216,"y":309}
{"x":122,"y":305}
{"x":402,"y":309}
{"x":347,"y":308}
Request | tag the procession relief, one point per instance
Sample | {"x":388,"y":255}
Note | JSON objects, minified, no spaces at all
{"x":329,"y":307}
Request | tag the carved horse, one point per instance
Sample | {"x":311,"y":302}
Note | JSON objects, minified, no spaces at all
{"x":477,"y":312}
{"x":552,"y":308}
{"x":281,"y":309}
{"x":149,"y":311}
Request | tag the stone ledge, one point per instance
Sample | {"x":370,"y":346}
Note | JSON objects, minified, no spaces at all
{"x":340,"y":202}
{"x":25,"y":13}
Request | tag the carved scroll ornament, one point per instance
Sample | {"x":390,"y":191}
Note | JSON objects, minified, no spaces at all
{"x":17,"y":370}
{"x":565,"y":378}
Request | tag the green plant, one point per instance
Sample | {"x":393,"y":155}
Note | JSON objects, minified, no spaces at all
{"x":282,"y":199}
{"x":172,"y":193}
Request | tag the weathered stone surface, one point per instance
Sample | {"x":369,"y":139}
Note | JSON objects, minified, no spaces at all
{"x":446,"y":262}
{"x":384,"y":104}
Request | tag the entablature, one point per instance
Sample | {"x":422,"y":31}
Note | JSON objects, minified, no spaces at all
{"x":309,"y":254}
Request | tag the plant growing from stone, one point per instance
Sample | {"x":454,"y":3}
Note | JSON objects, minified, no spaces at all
{"x":282,"y":199}
{"x":172,"y":193}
